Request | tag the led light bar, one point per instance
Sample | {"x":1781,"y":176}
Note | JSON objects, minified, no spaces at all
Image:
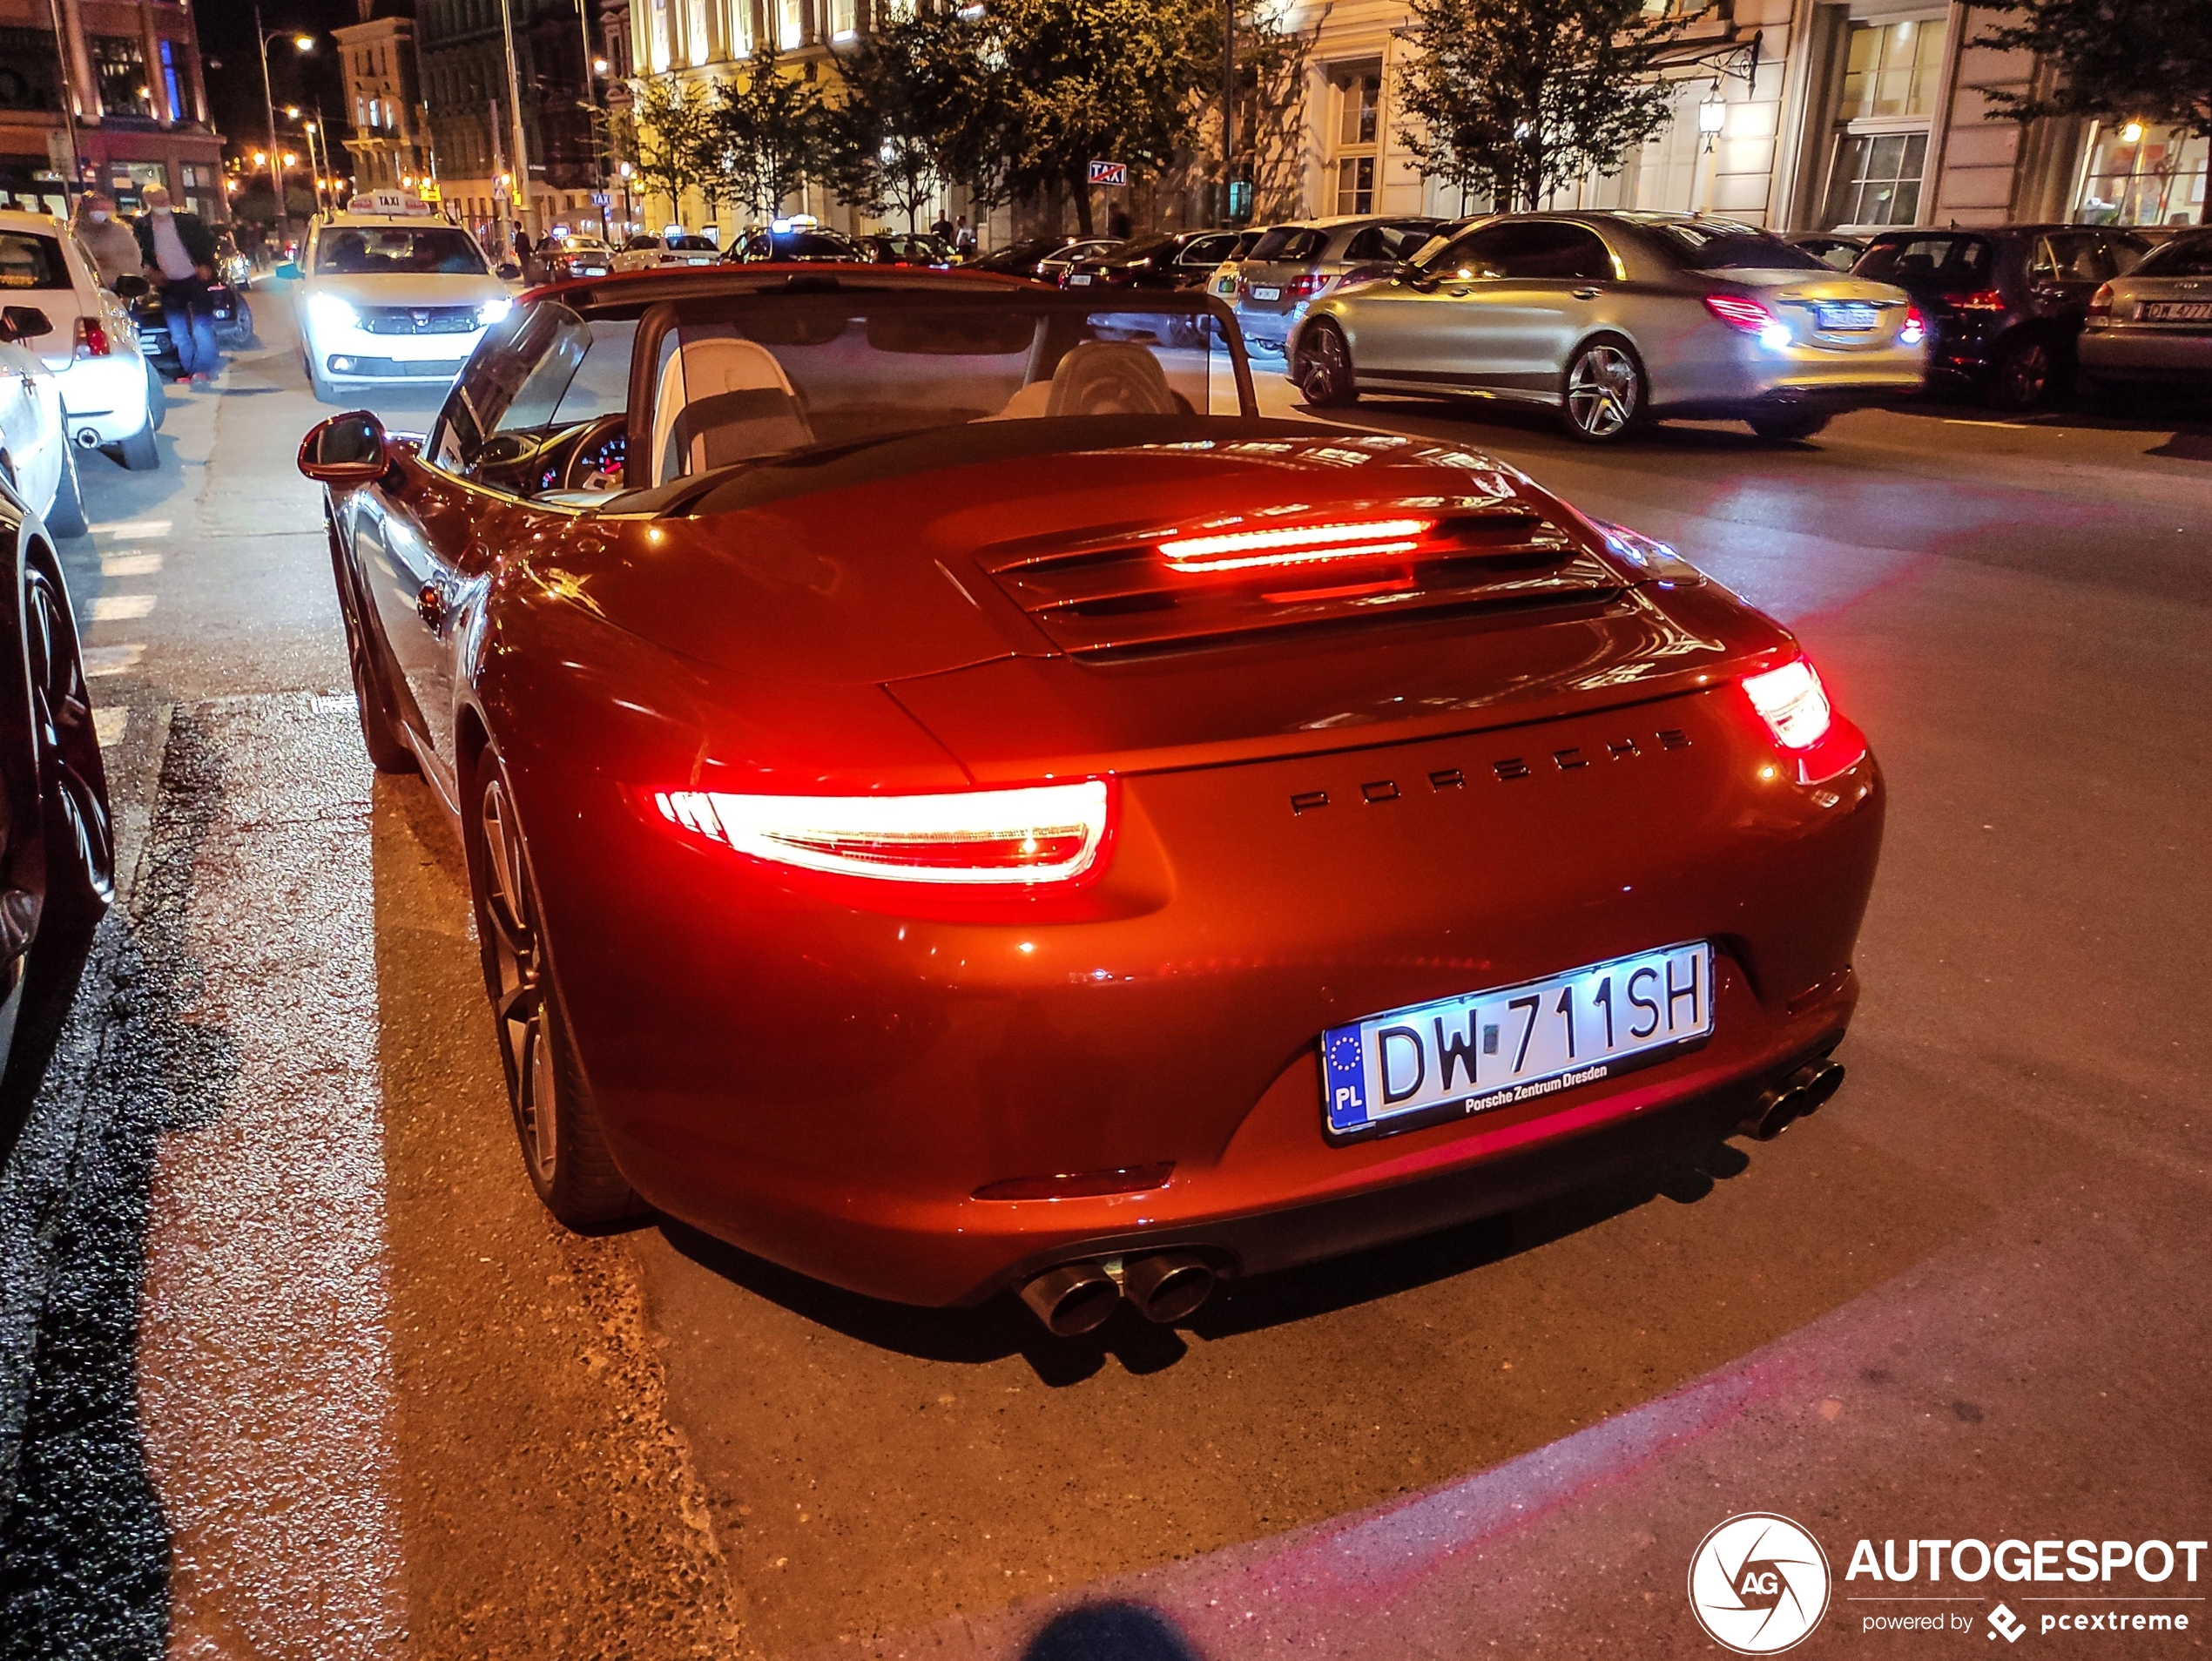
{"x":1793,"y":704}
{"x":1025,"y":837}
{"x":1295,"y":545}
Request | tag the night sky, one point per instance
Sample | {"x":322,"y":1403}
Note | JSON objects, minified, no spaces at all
{"x":234,"y":88}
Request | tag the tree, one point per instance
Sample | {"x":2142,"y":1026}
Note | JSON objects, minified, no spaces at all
{"x":1515,"y":99}
{"x":668,"y":131}
{"x":906,"y":89}
{"x":1071,"y":81}
{"x":766,"y":134}
{"x":2119,"y":60}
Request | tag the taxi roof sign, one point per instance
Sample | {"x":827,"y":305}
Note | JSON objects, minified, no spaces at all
{"x":387,"y":202}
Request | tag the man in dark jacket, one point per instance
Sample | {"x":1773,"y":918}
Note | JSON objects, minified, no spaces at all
{"x":179,"y":254}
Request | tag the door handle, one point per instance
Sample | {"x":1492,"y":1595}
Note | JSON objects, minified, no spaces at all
{"x":430,"y":604}
{"x":1583,"y":293}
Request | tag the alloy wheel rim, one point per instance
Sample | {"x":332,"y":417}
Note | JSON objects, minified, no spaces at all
{"x":1330,"y":365}
{"x":518,"y":960}
{"x":62,"y":717}
{"x":1601,"y":391}
{"x":2031,"y":369}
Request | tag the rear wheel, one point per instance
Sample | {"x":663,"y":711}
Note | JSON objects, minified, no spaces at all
{"x":2025,"y":370}
{"x":141,"y":452}
{"x":563,"y":1149}
{"x":1325,"y":366}
{"x":157,"y":397}
{"x":1605,"y":394}
{"x":66,"y":517}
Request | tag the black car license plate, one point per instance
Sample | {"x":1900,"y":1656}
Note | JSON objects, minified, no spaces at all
{"x":1845,"y":318}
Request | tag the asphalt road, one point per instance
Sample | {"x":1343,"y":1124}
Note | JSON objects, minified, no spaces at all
{"x":293,"y":1365}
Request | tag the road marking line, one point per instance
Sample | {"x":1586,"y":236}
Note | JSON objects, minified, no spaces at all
{"x":134,"y":528}
{"x":109,"y":724}
{"x":120,"y":607}
{"x":131,"y":564}
{"x":336,"y":704}
{"x":2009,"y":426}
{"x":110,"y":660}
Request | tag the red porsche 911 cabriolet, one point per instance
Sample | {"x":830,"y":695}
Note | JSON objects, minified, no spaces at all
{"x":955,"y":800}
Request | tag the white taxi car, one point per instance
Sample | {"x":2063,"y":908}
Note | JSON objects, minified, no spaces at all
{"x":110,"y":400}
{"x":36,"y":459}
{"x":677,"y":248}
{"x":391,"y":298}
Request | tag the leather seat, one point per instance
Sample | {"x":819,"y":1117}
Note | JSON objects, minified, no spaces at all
{"x":722,"y":399}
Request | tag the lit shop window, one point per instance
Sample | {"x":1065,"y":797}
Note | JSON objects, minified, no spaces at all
{"x":2141,"y":175}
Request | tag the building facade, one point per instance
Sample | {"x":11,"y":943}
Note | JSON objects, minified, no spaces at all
{"x":383,"y":98}
{"x":461,"y":49}
{"x":104,"y":95}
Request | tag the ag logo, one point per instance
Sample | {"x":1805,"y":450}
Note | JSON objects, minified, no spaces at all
{"x":1758,"y":1584}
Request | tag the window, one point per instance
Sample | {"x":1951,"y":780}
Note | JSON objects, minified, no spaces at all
{"x":790,"y":26}
{"x":1529,"y":250}
{"x":1722,"y":245}
{"x":2071,"y":256}
{"x":1891,"y":69}
{"x":2155,"y":178}
{"x":1877,"y":179}
{"x":740,"y":27}
{"x":844,"y":19}
{"x":1358,"y":133}
{"x":177,"y":112}
{"x":29,"y":261}
{"x":701,"y":44}
{"x":1953,"y":263}
{"x":656,"y":26}
{"x":2185,"y":256}
{"x":1361,"y":106}
{"x":1356,"y":185}
{"x":120,"y":64}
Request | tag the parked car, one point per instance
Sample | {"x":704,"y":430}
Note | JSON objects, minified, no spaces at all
{"x":1295,"y":264}
{"x":230,"y":265}
{"x":577,"y":255}
{"x":109,"y":400}
{"x":1617,"y":319}
{"x":37,"y":460}
{"x":1837,"y":252}
{"x":1221,"y":283}
{"x":233,"y":321}
{"x":2005,"y":305}
{"x":910,"y":836}
{"x":906,"y":248}
{"x":648,"y":252}
{"x":2153,"y":325}
{"x":386,"y":299}
{"x":1027,"y":257}
{"x":1053,"y":267}
{"x":798,"y":242}
{"x":1175,"y":260}
{"x":56,"y":836}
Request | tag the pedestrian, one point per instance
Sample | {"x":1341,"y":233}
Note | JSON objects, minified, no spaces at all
{"x":941,"y":228}
{"x":113,"y":248}
{"x":964,"y":238}
{"x":1117,"y":223}
{"x":179,"y":253}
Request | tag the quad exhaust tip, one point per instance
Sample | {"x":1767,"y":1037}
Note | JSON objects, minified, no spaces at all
{"x":1078,"y":1298}
{"x":1805,"y":1091}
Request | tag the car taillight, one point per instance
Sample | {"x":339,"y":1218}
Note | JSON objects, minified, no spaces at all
{"x":1294,"y":545}
{"x":1981,"y":300}
{"x":1027,"y":837}
{"x":1915,"y":329}
{"x":1794,"y":706}
{"x":2100,"y":302}
{"x":1740,"y":313}
{"x":91,"y":338}
{"x":1306,"y":284}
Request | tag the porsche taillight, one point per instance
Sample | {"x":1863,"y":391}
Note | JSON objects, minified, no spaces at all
{"x":1029,"y":837}
{"x":1798,"y":713}
{"x":1236,"y":551}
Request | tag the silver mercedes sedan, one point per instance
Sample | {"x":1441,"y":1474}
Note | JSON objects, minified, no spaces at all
{"x":1615,"y":319}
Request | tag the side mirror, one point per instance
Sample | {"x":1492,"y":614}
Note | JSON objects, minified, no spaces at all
{"x":508,"y":271}
{"x":288,"y":272}
{"x":23,"y":323}
{"x":346,"y":449}
{"x":127,"y":287}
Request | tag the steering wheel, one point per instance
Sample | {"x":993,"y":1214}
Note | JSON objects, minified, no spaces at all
{"x":596,"y":455}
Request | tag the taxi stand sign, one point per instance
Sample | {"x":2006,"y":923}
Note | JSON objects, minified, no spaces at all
{"x":1114,"y":175}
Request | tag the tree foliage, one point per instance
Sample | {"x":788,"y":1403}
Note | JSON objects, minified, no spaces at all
{"x":908,"y":89}
{"x":2121,"y":60}
{"x":766,"y":134}
{"x":1512,"y":99}
{"x":669,"y":127}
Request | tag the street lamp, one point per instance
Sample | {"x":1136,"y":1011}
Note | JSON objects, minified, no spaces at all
{"x":302,"y":45}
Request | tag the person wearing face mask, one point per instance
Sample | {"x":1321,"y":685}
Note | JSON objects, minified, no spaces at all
{"x":179,"y":255}
{"x":114,"y":250}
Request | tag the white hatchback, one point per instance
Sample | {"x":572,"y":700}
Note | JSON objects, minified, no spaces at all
{"x":391,"y":299}
{"x":112,"y":400}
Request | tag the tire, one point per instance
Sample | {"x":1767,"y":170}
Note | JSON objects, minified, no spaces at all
{"x":1796,"y":425}
{"x":564,"y":1151}
{"x":157,"y":397}
{"x":77,"y":838}
{"x":66,"y":517}
{"x":2026,"y":371}
{"x":1604,"y":396}
{"x":1324,"y":369}
{"x":141,"y":452}
{"x":380,"y":736}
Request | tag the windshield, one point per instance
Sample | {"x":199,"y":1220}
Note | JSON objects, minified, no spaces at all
{"x":1955,"y":261}
{"x":351,"y":250}
{"x":1720,"y":245}
{"x":545,"y":408}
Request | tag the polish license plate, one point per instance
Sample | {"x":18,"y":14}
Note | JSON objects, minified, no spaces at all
{"x":1495,"y":1047}
{"x":1079,"y":280}
{"x":2177,"y":311}
{"x":1845,"y":318}
{"x":1267,"y":293}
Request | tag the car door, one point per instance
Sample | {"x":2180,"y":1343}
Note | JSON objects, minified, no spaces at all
{"x":1399,"y":330}
{"x":423,"y":538}
{"x":1517,"y":324}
